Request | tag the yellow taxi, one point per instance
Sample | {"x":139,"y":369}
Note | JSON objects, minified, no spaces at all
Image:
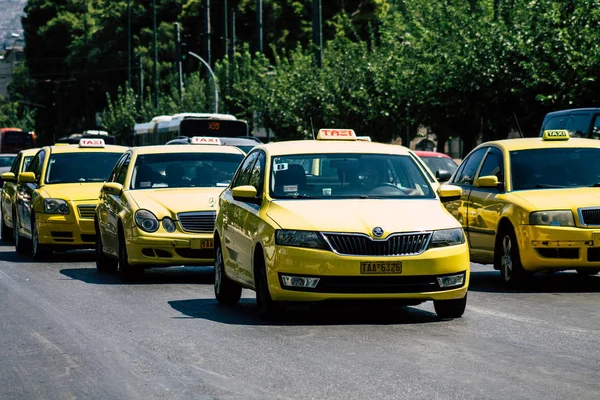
{"x":9,"y":191}
{"x":159,"y":205}
{"x":338,"y":219}
{"x":58,"y":194}
{"x":531,"y":205}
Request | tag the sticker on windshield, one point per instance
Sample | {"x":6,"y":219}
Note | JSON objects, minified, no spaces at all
{"x":281,"y":167}
{"x":145,"y":184}
{"x":326,"y":191}
{"x":290,"y":188}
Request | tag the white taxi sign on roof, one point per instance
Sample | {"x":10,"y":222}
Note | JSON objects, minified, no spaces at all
{"x":206,"y":140}
{"x":336,"y":134}
{"x":556,"y":135}
{"x":91,"y":143}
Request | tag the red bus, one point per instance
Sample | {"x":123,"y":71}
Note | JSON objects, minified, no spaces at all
{"x":13,"y":140}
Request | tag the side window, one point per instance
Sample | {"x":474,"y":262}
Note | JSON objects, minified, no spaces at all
{"x":493,"y":165}
{"x":242,"y":175}
{"x":595,"y":133}
{"x":122,"y":172}
{"x":555,"y":123}
{"x":257,"y":176}
{"x":15,"y":165}
{"x":578,"y":124}
{"x":116,"y":169}
{"x":37,"y":163}
{"x":469,"y":168}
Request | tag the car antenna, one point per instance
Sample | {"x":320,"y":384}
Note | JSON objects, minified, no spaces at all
{"x":312,"y":128}
{"x":518,"y":126}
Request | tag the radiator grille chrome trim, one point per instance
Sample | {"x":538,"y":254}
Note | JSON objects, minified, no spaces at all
{"x":86,"y":211}
{"x":359,"y":244}
{"x":197,"y":221}
{"x":589,"y":216}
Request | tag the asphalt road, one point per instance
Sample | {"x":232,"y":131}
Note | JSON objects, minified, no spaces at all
{"x":68,"y":332}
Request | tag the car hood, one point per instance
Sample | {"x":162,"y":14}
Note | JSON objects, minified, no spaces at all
{"x":85,"y":191}
{"x":361,"y":215}
{"x":170,"y":202}
{"x":555,"y":199}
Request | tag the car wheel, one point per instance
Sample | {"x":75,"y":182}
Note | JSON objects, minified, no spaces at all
{"x":588,"y":271}
{"x":127,"y":271}
{"x":226,"y":291}
{"x":450,"y":308}
{"x":7,"y":234}
{"x":38,"y":251}
{"x":267,"y":308}
{"x":507,"y":256}
{"x":104,"y":263}
{"x":20,"y":241}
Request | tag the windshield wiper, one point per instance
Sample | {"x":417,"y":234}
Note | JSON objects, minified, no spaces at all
{"x":595,"y":185}
{"x":546,"y":186}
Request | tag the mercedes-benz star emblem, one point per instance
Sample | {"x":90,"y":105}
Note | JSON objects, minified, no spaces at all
{"x":378,"y":231}
{"x":211,"y":202}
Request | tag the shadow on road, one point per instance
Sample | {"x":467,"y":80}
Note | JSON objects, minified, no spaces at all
{"x":174,"y":275}
{"x":76,"y":256}
{"x":245,"y":313}
{"x":560,"y":282}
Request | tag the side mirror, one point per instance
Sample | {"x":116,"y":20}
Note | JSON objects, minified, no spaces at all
{"x":8,"y":177}
{"x":449,"y":193}
{"x":490,"y":181}
{"x":112,"y":188}
{"x":245,"y":193}
{"x":443,"y":176}
{"x":27,"y":177}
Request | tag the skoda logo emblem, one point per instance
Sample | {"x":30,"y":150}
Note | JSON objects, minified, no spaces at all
{"x":378,"y":231}
{"x":211,"y":202}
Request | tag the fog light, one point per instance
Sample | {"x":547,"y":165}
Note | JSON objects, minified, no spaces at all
{"x":452,"y":280}
{"x":299,"y":281}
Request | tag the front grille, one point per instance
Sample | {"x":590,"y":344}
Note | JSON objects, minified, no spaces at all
{"x":589,"y":216}
{"x":558,"y":252}
{"x":198,"y":222}
{"x":593,"y":254}
{"x":86,"y":211}
{"x":395,"y":245}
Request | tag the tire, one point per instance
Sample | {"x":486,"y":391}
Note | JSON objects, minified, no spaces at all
{"x":587,"y":271}
{"x":20,"y":242}
{"x":267,"y":308}
{"x":7,"y":234}
{"x":448,"y":309}
{"x":127,"y":271}
{"x":508,"y":260}
{"x":38,"y":251}
{"x":227,"y":291}
{"x":104,"y":263}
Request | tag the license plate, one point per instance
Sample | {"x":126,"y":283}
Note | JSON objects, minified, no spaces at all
{"x":202,"y":244}
{"x":380,"y":268}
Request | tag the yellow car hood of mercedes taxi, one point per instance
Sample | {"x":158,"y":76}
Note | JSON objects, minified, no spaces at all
{"x":361,"y":215}
{"x":85,"y":191}
{"x":165,"y":202}
{"x":559,"y":199}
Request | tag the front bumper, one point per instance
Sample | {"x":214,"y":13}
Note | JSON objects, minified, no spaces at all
{"x":558,"y":248}
{"x":169,"y":249}
{"x":67,"y":231}
{"x":340,"y":277}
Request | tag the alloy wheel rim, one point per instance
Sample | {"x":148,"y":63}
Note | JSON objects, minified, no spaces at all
{"x":507,"y":264}
{"x":218,"y":273}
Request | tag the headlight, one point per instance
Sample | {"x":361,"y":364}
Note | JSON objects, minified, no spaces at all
{"x":309,"y":239}
{"x":447,"y":237}
{"x":146,"y":221}
{"x":56,"y":206}
{"x":168,"y":224}
{"x":552,"y":218}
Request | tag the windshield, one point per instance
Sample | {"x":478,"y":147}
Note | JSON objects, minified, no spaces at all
{"x":555,"y":168}
{"x":7,"y":160}
{"x":180,"y":170}
{"x":440,"y":164}
{"x":80,"y":167}
{"x":347,"y":176}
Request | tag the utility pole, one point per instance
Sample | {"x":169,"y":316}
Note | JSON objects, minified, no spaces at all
{"x":85,"y":76}
{"x":225,"y":28}
{"x":178,"y":71}
{"x":207,"y":52}
{"x":232,"y":37}
{"x":317,"y":31}
{"x":259,"y":26}
{"x":155,"y":67}
{"x":141,"y":81}
{"x":128,"y":44}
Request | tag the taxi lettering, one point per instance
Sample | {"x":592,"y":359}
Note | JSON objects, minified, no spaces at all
{"x":206,"y":140}
{"x":345,"y":134}
{"x":91,"y":143}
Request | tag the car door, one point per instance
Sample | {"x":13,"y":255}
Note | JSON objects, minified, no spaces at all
{"x":232,"y":215}
{"x":482,"y":227}
{"x":108,"y":208}
{"x":9,"y":190}
{"x":27,"y":193}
